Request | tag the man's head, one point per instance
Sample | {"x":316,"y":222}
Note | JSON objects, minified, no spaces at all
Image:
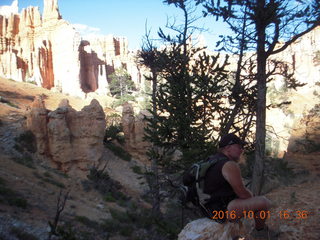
{"x":231,"y":146}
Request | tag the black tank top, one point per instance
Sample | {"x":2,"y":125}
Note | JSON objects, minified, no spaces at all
{"x":215,"y":184}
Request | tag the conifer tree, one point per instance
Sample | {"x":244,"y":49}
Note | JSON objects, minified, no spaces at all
{"x":189,"y":94}
{"x":188,"y":91}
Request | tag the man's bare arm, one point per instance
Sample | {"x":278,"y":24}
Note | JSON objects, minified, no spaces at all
{"x":231,"y":172}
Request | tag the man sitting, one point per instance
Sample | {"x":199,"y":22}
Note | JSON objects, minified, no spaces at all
{"x":224,"y":183}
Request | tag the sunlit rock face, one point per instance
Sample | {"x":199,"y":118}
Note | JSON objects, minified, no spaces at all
{"x":49,"y":52}
{"x":41,"y":50}
{"x":70,"y":140}
{"x":133,"y":129}
{"x":304,"y":55}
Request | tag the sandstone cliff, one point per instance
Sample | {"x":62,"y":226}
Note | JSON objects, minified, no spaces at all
{"x":304,"y":55}
{"x":47,"y":50}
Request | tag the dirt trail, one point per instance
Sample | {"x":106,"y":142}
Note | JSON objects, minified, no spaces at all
{"x":296,"y":212}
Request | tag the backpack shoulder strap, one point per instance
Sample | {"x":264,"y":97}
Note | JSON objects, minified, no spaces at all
{"x":211,"y":160}
{"x":204,"y":167}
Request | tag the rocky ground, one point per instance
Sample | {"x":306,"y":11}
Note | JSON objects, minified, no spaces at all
{"x":33,"y":189}
{"x":39,"y":185}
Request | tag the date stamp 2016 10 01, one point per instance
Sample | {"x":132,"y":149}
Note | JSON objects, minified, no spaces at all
{"x":282,"y":214}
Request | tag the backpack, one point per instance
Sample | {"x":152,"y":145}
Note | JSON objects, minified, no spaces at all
{"x":192,"y":187}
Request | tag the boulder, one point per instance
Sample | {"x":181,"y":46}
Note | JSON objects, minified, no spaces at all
{"x":206,"y":229}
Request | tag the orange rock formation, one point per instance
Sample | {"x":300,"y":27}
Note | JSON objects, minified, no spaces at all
{"x":48,"y":51}
{"x":70,"y":140}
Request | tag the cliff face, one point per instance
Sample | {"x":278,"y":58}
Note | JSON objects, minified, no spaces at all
{"x":48,"y":51}
{"x":304,"y":57}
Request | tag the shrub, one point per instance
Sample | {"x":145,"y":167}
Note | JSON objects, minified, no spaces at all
{"x":87,"y":222}
{"x":126,"y":231}
{"x":109,"y":188}
{"x":21,"y":234}
{"x":27,"y":140}
{"x":113,"y":119}
{"x":25,"y":160}
{"x":66,"y":232}
{"x":54,"y":182}
{"x":113,"y":132}
{"x":109,"y":197}
{"x":13,"y":105}
{"x":18,"y":202}
{"x":120,"y":216}
{"x":118,"y":151}
{"x":49,"y":179}
{"x":282,"y":169}
{"x":110,"y":225}
{"x":2,"y":181}
{"x":10,"y":197}
{"x":137,"y":170}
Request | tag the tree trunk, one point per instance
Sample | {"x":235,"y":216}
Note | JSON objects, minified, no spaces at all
{"x":261,"y":102}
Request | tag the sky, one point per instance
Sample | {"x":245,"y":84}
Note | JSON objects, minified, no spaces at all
{"x":123,"y":18}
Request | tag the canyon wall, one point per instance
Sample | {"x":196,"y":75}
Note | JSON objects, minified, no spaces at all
{"x":282,"y":122}
{"x":48,"y":51}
